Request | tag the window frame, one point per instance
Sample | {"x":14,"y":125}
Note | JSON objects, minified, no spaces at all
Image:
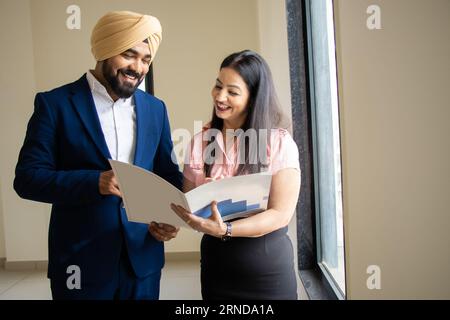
{"x":318,"y":283}
{"x":149,"y":84}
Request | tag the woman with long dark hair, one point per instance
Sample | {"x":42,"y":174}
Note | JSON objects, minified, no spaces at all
{"x":252,"y":257}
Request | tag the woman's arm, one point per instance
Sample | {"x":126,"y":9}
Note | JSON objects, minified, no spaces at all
{"x":283,"y":198}
{"x":284,"y":193}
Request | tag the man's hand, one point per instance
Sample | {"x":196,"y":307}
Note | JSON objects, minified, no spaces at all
{"x":162,"y":231}
{"x":107,"y":184}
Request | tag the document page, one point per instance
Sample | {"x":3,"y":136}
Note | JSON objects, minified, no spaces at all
{"x":147,"y":197}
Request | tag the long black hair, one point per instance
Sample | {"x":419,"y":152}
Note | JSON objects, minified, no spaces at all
{"x":264,"y":110}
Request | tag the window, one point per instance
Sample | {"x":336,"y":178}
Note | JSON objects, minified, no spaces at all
{"x":326,"y":142}
{"x":147,"y":84}
{"x":316,"y":131}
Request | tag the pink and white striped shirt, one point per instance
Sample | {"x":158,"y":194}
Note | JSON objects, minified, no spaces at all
{"x":282,"y":154}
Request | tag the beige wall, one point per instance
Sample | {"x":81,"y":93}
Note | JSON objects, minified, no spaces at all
{"x":25,"y":222}
{"x":274,"y":47}
{"x":2,"y":230}
{"x":197,"y":35}
{"x":394,"y":107}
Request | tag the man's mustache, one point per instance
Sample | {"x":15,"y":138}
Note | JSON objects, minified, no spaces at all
{"x":131,"y":73}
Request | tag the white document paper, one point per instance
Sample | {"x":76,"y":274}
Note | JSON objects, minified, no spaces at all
{"x":147,"y":197}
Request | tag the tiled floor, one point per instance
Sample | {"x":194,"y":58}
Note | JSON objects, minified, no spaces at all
{"x":24,"y":285}
{"x":180,"y":281}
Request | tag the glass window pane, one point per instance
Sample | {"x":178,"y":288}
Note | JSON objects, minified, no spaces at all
{"x":326,"y":142}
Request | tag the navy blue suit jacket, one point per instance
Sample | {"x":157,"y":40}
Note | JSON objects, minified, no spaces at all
{"x":60,"y":162}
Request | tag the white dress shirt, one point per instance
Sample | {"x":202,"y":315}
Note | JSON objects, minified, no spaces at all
{"x":117,"y":119}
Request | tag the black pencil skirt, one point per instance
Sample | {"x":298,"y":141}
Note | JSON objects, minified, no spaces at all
{"x":248,"y":268}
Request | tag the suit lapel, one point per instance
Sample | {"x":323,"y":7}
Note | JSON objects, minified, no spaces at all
{"x":145,"y":131}
{"x":84,"y":105}
{"x":141,"y":128}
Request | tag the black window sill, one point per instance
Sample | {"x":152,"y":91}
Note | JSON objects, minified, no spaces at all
{"x":316,"y":285}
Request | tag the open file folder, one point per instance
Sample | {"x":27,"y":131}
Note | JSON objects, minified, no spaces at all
{"x":147,"y":197}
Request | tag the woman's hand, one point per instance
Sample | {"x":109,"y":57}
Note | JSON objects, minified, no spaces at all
{"x":213,"y":226}
{"x":214,"y":179}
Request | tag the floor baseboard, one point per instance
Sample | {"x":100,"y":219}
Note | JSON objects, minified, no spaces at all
{"x":42,"y":265}
{"x":25,"y":265}
{"x":182,"y":256}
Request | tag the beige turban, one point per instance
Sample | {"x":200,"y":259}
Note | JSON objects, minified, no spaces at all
{"x":118,"y":31}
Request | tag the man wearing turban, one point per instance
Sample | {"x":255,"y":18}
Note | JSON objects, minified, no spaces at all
{"x":94,"y":251}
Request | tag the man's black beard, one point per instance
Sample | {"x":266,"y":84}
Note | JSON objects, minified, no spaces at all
{"x":121,"y":90}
